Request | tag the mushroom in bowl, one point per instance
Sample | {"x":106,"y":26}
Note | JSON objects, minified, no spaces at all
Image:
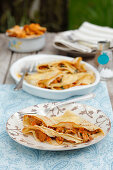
{"x":27,"y":38}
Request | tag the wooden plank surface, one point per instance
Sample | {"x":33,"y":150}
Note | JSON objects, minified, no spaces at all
{"x":49,"y":49}
{"x":7,"y":58}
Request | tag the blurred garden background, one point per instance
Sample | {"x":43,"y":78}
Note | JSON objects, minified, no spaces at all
{"x":56,"y":15}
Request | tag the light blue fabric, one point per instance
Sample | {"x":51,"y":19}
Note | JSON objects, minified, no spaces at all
{"x":14,"y":156}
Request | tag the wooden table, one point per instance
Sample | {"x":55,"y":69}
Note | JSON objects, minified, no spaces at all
{"x":7,"y":58}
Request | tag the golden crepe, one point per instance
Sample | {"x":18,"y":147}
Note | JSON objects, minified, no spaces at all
{"x":38,"y":120}
{"x":47,"y":135}
{"x":37,"y":79}
{"x":68,"y":127}
{"x":70,"y":123}
{"x":61,"y":74}
{"x":63,"y":65}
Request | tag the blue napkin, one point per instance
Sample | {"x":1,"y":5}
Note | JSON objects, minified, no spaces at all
{"x":14,"y":156}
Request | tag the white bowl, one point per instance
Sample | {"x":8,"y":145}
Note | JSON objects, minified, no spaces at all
{"x":26,"y":44}
{"x":48,"y":93}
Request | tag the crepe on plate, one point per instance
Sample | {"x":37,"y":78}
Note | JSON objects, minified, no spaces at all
{"x":47,"y":135}
{"x":59,"y":75}
{"x":67,"y":128}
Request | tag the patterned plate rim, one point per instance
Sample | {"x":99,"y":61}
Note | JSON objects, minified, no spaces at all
{"x":64,"y":148}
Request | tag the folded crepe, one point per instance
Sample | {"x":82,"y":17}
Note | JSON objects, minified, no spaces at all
{"x":36,"y":78}
{"x":63,"y":65}
{"x":62,"y":74}
{"x":70,"y":123}
{"x":72,"y":80}
{"x":39,"y":120}
{"x":67,"y":127}
{"x":47,"y":135}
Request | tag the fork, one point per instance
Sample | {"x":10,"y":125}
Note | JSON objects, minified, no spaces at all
{"x":45,"y":111}
{"x":72,"y":39}
{"x":30,"y":69}
{"x":89,"y":44}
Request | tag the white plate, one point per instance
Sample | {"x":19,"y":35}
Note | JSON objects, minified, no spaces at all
{"x":48,"y":93}
{"x":14,"y":125}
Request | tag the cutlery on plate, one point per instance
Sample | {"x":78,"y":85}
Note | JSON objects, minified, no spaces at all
{"x":71,"y":37}
{"x":45,"y":111}
{"x":80,"y":44}
{"x":27,"y":70}
{"x":89,"y":44}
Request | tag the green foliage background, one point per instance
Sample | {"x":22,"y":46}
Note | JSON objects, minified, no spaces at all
{"x":95,"y":11}
{"x":14,"y":12}
{"x":18,"y":12}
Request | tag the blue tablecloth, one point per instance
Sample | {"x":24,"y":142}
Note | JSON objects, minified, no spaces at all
{"x":14,"y":156}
